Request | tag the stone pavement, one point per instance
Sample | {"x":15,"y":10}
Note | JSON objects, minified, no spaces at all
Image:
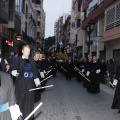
{"x":68,"y":100}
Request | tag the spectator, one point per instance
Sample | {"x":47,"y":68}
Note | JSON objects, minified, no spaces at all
{"x":103,"y":71}
{"x":8,"y":69}
{"x":111,"y":70}
{"x":14,"y":58}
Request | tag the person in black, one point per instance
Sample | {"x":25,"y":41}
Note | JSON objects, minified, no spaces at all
{"x":36,"y":57}
{"x":94,"y":77}
{"x":81,"y":66}
{"x":88,"y":69}
{"x":41,"y":66}
{"x":116,"y":100}
{"x":25,"y":70}
{"x":103,"y":71}
{"x":54,"y":64}
{"x":111,"y":70}
{"x":2,"y":64}
{"x":69,"y":68}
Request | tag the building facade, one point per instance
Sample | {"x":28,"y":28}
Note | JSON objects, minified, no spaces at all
{"x":23,"y":19}
{"x":111,"y":37}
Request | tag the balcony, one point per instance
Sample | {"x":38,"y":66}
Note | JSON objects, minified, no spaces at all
{"x":97,"y":11}
{"x":28,"y":39}
{"x":79,"y":0}
{"x":15,"y":24}
{"x":32,"y":19}
{"x":86,"y":4}
{"x":3,"y":11}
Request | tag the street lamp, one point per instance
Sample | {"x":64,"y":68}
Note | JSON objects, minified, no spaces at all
{"x":90,"y":28}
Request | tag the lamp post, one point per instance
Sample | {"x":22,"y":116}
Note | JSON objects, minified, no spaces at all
{"x":90,"y":28}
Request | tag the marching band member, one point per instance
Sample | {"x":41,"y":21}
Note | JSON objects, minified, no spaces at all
{"x":25,"y":70}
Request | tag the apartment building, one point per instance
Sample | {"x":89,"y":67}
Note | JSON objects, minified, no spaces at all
{"x":111,"y":36}
{"x":43,"y":30}
{"x":38,"y":6}
{"x":79,"y":33}
{"x":66,"y":34}
{"x":10,"y":25}
{"x":94,"y":11}
{"x":58,"y":27}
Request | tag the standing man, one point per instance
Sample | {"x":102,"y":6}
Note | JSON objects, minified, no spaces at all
{"x":69,"y":68}
{"x":81,"y":66}
{"x":88,"y":70}
{"x":95,"y":86}
{"x":36,"y":57}
{"x":111,"y":70}
{"x":25,"y":70}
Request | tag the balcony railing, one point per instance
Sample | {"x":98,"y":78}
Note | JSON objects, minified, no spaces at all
{"x":32,"y":19}
{"x":98,"y":10}
{"x":28,"y":39}
{"x":95,"y":7}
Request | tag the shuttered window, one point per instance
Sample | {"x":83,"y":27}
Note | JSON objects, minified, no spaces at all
{"x":113,"y":17}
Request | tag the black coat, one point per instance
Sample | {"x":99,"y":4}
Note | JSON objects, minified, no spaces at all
{"x":94,"y":77}
{"x":116,"y":100}
{"x":24,"y":84}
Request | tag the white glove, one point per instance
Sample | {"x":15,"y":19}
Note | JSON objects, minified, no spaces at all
{"x":83,"y":70}
{"x":15,"y":73}
{"x":115,"y":81}
{"x":88,"y":73}
{"x":98,"y":71}
{"x":37,"y":82}
{"x":15,"y":112}
{"x":42,"y":74}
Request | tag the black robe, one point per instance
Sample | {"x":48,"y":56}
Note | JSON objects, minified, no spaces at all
{"x":80,"y":66}
{"x":25,"y":98}
{"x":86,"y":83}
{"x":116,"y":100}
{"x":94,"y":77}
{"x":69,"y":69}
{"x":41,"y":66}
{"x":38,"y":92}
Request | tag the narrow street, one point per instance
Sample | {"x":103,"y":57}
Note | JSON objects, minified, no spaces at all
{"x":68,"y":100}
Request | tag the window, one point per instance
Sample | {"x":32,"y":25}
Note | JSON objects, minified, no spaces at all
{"x":26,"y":27}
{"x":79,"y":6}
{"x":3,"y":5}
{"x":113,"y":17}
{"x":3,"y":29}
{"x":26,"y":11}
{"x":18,"y":5}
{"x":11,"y":10}
{"x":38,"y":34}
{"x":23,"y":6}
{"x":78,"y":23}
{"x":38,"y":2}
{"x":38,"y":12}
{"x":38,"y":23}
